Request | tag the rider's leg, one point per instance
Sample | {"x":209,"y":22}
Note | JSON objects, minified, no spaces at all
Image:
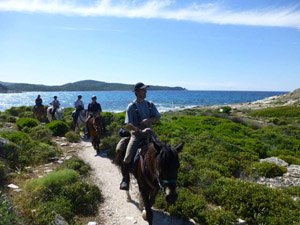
{"x":86,"y":127}
{"x":130,"y":151}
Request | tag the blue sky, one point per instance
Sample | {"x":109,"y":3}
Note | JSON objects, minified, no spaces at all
{"x":199,"y":45}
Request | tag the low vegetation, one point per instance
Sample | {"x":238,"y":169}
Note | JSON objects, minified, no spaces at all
{"x":64,"y":192}
{"x":58,"y":128}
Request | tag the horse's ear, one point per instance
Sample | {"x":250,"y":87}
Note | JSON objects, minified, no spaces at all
{"x":179,"y":147}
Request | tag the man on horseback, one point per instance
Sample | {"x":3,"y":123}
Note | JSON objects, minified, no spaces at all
{"x":56,"y":104}
{"x":78,"y":104}
{"x":94,"y":108}
{"x":140,"y":115}
{"x":38,"y":102}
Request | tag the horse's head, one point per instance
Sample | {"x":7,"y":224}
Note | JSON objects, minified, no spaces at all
{"x":168,"y":165}
{"x":98,"y":123}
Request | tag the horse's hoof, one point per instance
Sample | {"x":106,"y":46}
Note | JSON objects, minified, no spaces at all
{"x":128,"y":196}
{"x":144,"y":215}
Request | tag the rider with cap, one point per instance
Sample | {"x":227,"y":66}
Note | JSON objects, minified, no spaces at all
{"x":78,"y":105}
{"x":140,"y":115}
{"x":94,"y":108}
{"x":56,"y":104}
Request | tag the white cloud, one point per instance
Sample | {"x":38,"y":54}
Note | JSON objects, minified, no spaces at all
{"x":163,"y":9}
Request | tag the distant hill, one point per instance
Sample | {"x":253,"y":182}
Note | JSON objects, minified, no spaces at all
{"x":3,"y":89}
{"x":85,"y":85}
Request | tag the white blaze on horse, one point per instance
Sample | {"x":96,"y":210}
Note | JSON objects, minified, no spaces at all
{"x":59,"y":113}
{"x":80,"y":120}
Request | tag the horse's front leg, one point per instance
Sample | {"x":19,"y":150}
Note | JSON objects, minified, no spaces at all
{"x":147,"y":213}
{"x":152,"y":197}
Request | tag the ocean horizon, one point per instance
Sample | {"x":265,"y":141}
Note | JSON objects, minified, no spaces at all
{"x":117,"y":101}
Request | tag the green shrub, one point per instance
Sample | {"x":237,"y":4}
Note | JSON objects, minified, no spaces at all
{"x":51,"y":184}
{"x":219,"y":217}
{"x":39,"y":132}
{"x":225,"y":109}
{"x":255,"y":203}
{"x":62,"y":193}
{"x":19,"y":138}
{"x":188,"y":205}
{"x":284,"y":111}
{"x":3,"y":173}
{"x":7,"y":118}
{"x":26,"y":114}
{"x":290,"y":159}
{"x":293,"y":190}
{"x":27,"y":122}
{"x":73,"y":137}
{"x":58,"y":128}
{"x":77,"y":165}
{"x":83,"y":197}
{"x":15,"y":111}
{"x":269,"y":170}
{"x":7,"y":213}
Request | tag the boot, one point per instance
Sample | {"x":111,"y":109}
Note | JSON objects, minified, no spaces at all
{"x":126,"y":178}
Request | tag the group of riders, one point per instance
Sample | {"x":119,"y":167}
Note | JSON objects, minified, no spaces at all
{"x":94,"y":108}
{"x":140,"y":115}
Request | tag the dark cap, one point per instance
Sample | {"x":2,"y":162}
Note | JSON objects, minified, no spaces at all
{"x":94,"y":96}
{"x":140,"y":86}
{"x":55,"y":97}
{"x":79,"y":96}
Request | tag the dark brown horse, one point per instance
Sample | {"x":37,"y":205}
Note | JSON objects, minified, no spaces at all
{"x":157,"y":167}
{"x":96,"y":131}
{"x":40,"y":112}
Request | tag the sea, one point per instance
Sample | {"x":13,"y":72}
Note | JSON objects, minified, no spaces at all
{"x":117,"y":101}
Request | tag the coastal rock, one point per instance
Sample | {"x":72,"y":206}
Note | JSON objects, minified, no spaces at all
{"x":275,"y":160}
{"x":290,"y":178}
{"x":59,"y":220}
{"x":3,"y":142}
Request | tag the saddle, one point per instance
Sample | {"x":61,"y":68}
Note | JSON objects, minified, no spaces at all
{"x":141,"y":148}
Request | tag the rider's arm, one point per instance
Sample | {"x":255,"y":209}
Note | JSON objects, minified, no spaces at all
{"x":134,"y":128}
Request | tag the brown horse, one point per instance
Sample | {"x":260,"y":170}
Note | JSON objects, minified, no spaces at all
{"x":96,"y":130}
{"x":40,"y":112}
{"x":157,"y":167}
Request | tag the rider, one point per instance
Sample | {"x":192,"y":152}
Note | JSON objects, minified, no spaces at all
{"x":93,"y":109}
{"x":55,"y":104}
{"x":78,"y":104}
{"x":38,"y":102}
{"x":140,"y":115}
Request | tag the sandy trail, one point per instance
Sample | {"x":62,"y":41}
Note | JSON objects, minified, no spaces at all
{"x":115,"y":209}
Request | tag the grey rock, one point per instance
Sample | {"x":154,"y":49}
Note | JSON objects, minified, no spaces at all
{"x":59,"y":220}
{"x":275,"y":160}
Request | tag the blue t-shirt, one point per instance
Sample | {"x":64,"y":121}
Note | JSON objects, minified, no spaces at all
{"x":146,"y":109}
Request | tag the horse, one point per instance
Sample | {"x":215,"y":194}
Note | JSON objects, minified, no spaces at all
{"x":59,"y":113}
{"x":80,"y":121}
{"x":157,"y":168}
{"x":39,"y":112}
{"x":96,"y":130}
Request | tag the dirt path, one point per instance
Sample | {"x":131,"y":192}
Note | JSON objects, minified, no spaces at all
{"x":116,"y":210}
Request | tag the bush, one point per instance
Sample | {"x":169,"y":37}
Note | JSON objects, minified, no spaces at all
{"x":7,"y":214}
{"x":83,"y":197}
{"x":7,"y":118}
{"x":51,"y":184}
{"x":269,"y":170}
{"x":77,"y":165}
{"x":290,"y":159}
{"x":58,"y":128}
{"x":62,"y":193}
{"x":73,"y":137}
{"x":27,"y":122}
{"x":188,"y":205}
{"x":15,"y":111}
{"x":219,"y":217}
{"x":39,"y":132}
{"x":284,"y":111}
{"x":255,"y":203}
{"x":26,"y":114}
{"x":225,"y":109}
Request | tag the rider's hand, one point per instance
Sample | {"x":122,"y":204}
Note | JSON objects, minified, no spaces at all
{"x":146,"y":122}
{"x":147,"y":130}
